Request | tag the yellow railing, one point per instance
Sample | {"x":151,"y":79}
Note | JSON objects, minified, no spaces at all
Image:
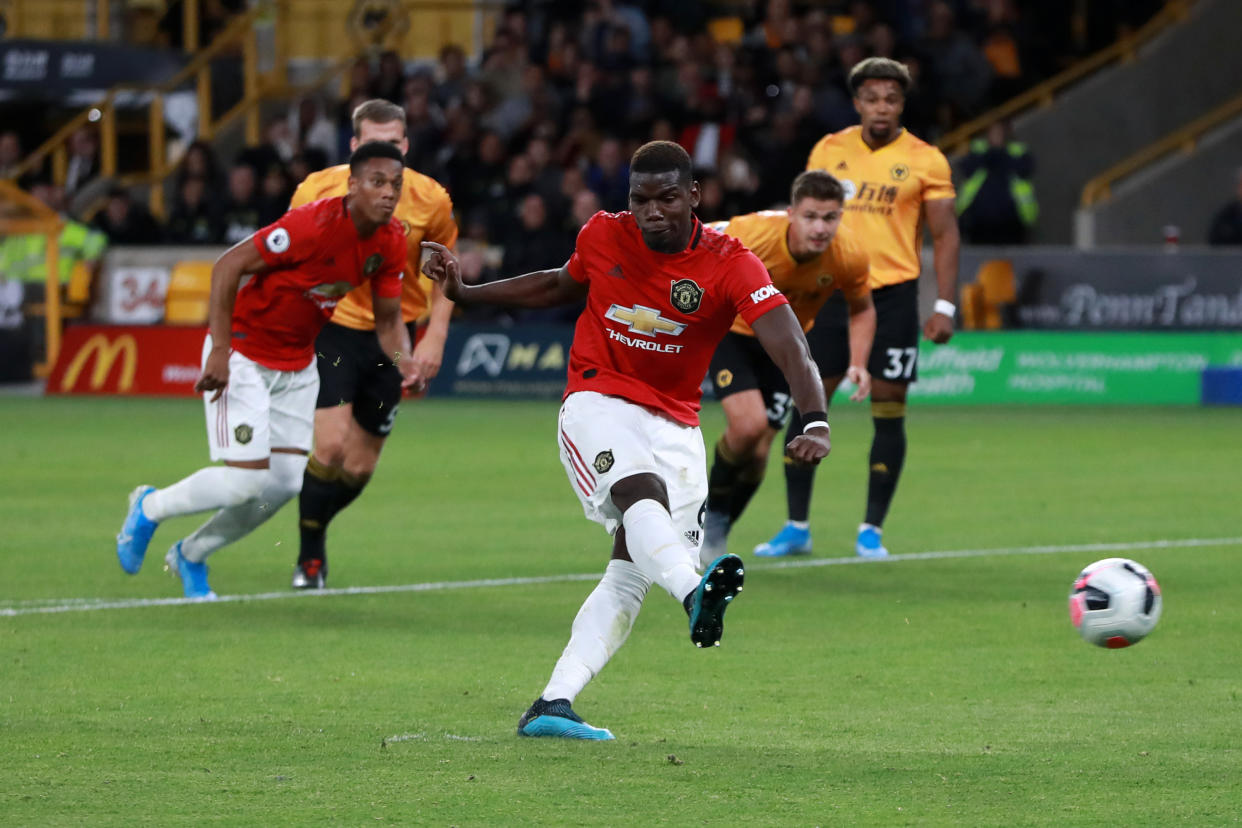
{"x":240,"y":33}
{"x":1184,"y":140}
{"x":1042,"y":95}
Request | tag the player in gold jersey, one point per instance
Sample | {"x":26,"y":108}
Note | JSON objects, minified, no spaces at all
{"x":359,"y":389}
{"x":809,"y":257}
{"x":895,"y":184}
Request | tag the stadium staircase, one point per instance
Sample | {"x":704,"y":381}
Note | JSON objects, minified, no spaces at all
{"x":1118,"y":102}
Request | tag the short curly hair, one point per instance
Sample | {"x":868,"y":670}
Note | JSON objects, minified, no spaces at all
{"x":879,"y":68}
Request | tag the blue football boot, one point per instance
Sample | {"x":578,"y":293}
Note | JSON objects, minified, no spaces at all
{"x":557,"y":719}
{"x":868,"y":544}
{"x":135,"y":534}
{"x":193,"y":575}
{"x":722,"y":581}
{"x":789,"y":541}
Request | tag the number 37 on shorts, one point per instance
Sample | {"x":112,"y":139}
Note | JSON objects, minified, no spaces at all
{"x":900,"y":363}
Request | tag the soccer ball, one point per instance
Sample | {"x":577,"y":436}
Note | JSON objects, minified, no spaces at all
{"x":1115,"y":603}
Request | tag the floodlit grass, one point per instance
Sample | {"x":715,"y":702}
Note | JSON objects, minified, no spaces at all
{"x":949,"y":691}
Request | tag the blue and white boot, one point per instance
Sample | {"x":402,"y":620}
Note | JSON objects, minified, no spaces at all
{"x":193,"y":575}
{"x":136,"y":531}
{"x":791,"y":540}
{"x":557,"y":719}
{"x":868,"y":544}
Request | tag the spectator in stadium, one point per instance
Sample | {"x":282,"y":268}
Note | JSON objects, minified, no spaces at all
{"x":608,"y":176}
{"x":83,"y":166}
{"x":200,"y":162}
{"x":1226,"y":226}
{"x":996,"y":203}
{"x":240,"y":212}
{"x":125,"y":221}
{"x":23,"y":257}
{"x":311,"y":131}
{"x":10,"y":152}
{"x":960,"y":69}
{"x":451,"y":77}
{"x":390,"y":78}
{"x":192,"y":220}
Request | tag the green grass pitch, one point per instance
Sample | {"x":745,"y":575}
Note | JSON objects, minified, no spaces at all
{"x":928,"y":691}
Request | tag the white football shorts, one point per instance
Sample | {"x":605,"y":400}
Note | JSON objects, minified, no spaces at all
{"x":604,"y":439}
{"x":260,"y":409}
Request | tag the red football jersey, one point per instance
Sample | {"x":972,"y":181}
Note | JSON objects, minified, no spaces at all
{"x":652,"y":320}
{"x":314,"y":257}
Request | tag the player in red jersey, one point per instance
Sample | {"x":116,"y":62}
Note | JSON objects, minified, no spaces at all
{"x":259,"y":379}
{"x":661,"y":290}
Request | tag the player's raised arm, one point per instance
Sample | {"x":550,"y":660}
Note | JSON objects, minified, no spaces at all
{"x":539,"y":289}
{"x":226,"y":276}
{"x":781,"y":336}
{"x":946,"y":243}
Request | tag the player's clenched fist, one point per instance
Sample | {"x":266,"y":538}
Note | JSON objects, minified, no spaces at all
{"x":810,"y":447}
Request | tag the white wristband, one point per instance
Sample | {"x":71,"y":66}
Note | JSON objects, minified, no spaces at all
{"x":945,"y":307}
{"x":814,"y":424}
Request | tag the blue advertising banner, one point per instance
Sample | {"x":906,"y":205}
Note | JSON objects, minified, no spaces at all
{"x":491,"y":361}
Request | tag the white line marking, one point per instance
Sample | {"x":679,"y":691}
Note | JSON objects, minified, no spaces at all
{"x":58,"y":605}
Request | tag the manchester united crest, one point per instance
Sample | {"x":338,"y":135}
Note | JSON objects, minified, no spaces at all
{"x":372,"y":264}
{"x":243,"y":433}
{"x":603,"y":461}
{"x":686,"y":295}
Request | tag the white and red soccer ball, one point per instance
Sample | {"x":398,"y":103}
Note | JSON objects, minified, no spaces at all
{"x":1115,"y":602}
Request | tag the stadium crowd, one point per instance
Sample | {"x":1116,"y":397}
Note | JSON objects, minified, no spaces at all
{"x":533,"y":137}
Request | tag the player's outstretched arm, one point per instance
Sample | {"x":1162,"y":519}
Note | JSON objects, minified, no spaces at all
{"x":862,"y":336}
{"x":540,"y":289}
{"x":946,"y":244}
{"x":226,"y":276}
{"x":781,"y":336}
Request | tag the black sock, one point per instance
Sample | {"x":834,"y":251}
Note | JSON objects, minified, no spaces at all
{"x":888,"y":454}
{"x":799,"y":477}
{"x":319,"y":490}
{"x":744,"y":489}
{"x":722,"y":481}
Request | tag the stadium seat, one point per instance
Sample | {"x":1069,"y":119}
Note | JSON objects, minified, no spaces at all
{"x":727,"y":30}
{"x":995,"y":277}
{"x":77,"y":292}
{"x":188,"y":292}
{"x":971,"y":306}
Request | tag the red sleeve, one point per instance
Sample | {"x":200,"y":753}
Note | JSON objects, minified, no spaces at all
{"x":289,"y":240}
{"x":387,"y":280}
{"x":587,"y":236}
{"x":750,"y":287}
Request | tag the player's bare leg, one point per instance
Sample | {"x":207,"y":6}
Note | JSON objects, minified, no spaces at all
{"x":343,"y":461}
{"x":741,"y":457}
{"x":794,"y":538}
{"x":888,"y":455}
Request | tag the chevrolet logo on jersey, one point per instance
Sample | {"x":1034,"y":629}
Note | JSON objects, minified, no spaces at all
{"x":644,"y":320}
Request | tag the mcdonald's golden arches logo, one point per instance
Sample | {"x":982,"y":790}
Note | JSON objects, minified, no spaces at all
{"x":106,"y":353}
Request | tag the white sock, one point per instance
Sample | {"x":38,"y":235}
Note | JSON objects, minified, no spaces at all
{"x":800,"y":524}
{"x":211,"y":488}
{"x":658,"y":550}
{"x":234,"y":522}
{"x":599,"y":630}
